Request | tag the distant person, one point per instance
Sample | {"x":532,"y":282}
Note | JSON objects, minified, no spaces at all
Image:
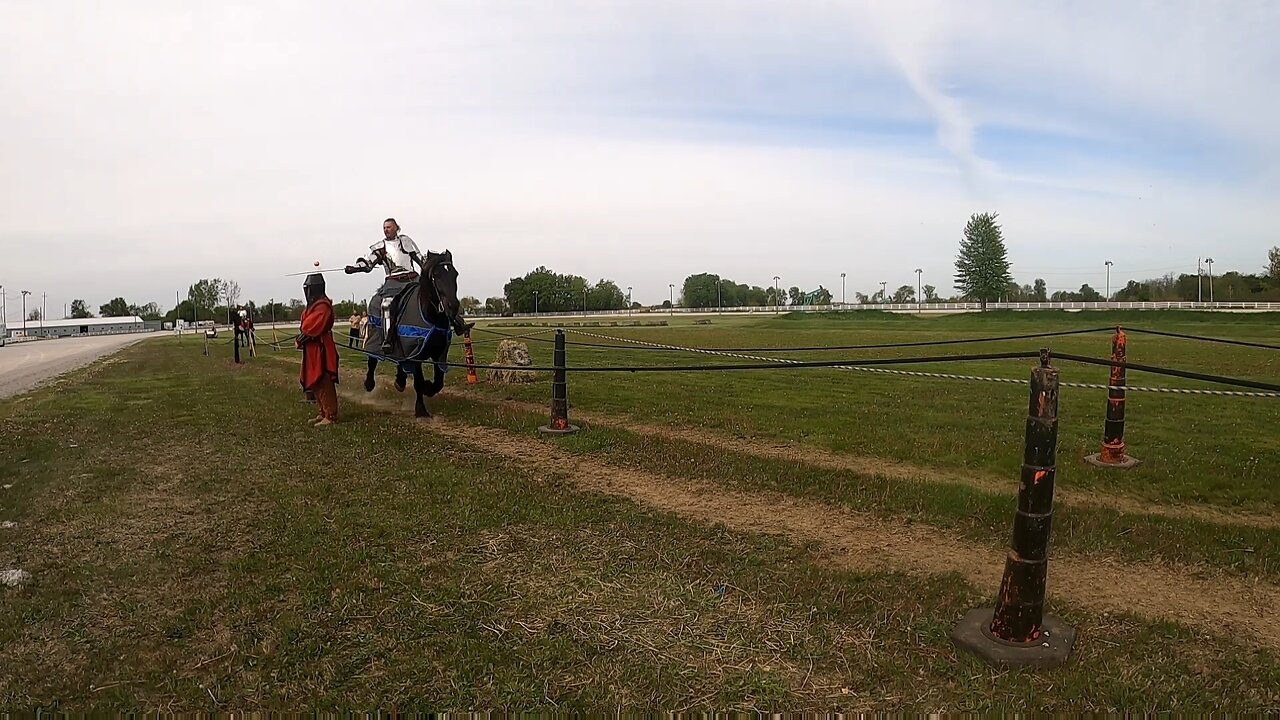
{"x":319,"y":373}
{"x":364,"y":329}
{"x":353,"y":332}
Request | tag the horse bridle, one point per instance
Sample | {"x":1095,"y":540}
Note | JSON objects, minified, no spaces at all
{"x":430,"y":271}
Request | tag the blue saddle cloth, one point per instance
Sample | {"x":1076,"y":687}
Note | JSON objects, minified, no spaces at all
{"x":417,"y":338}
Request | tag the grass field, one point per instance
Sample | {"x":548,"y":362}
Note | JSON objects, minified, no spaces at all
{"x":797,"y":539}
{"x":1221,"y":451}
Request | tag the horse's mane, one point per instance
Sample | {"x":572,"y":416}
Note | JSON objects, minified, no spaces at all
{"x":435,"y":259}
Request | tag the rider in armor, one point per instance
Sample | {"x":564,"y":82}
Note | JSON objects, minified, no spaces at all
{"x":396,"y":254}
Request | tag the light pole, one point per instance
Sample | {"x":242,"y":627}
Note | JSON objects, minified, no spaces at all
{"x":884,"y":291}
{"x":1199,"y":277}
{"x":919,"y":290}
{"x":25,"y":293}
{"x":671,"y":298}
{"x":535,"y":302}
{"x":1209,"y":261}
{"x":584,"y":299}
{"x":44,"y":302}
{"x":776,"y":300}
{"x":842,"y":295}
{"x":719,"y":287}
{"x":628,"y":299}
{"x":1108,"y":297}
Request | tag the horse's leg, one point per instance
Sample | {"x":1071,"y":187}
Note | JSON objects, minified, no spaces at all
{"x":368,"y":377}
{"x":437,"y":382}
{"x":420,"y":388}
{"x":402,"y":377}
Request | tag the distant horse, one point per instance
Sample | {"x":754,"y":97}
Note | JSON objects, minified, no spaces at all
{"x":426,"y":315}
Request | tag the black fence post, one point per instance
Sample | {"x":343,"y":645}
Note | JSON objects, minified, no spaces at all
{"x":1113,"y":447}
{"x":1017,"y":632}
{"x":559,"y":394}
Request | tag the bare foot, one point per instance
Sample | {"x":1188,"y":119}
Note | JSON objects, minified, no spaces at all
{"x":316,"y":419}
{"x":325,"y":421}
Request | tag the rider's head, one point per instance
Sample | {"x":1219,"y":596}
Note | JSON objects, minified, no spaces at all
{"x":390,"y":227}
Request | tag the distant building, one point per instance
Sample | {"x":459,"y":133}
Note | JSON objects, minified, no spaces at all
{"x":82,"y":326}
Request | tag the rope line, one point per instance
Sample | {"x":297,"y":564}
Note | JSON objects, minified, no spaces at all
{"x":1170,"y":372}
{"x":505,"y":336}
{"x":949,"y":376}
{"x":878,"y":346}
{"x":861,"y":365}
{"x":1087,"y":386}
{"x":869,"y":365}
{"x":884,"y":346}
{"x":772,"y":363}
{"x":1202,"y":338}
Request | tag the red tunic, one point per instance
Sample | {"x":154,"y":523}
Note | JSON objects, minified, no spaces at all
{"x":319,"y":354}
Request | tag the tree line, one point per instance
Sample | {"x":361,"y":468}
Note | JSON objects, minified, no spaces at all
{"x":117,"y":307}
{"x":543,"y":290}
{"x":983,"y":274}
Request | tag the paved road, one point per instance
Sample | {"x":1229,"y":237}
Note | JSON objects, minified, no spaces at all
{"x":26,"y":364}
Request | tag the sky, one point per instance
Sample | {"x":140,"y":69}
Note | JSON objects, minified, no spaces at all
{"x":148,"y":144}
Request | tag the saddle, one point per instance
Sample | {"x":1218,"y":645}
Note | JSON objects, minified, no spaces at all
{"x":414,"y":337}
{"x":397,"y":299}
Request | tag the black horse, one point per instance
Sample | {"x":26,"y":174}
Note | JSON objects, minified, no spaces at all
{"x":427,"y":314}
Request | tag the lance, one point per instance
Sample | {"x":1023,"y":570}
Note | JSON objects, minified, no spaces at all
{"x":310,"y":272}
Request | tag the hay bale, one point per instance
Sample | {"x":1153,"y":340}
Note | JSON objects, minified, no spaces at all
{"x":512,"y":353}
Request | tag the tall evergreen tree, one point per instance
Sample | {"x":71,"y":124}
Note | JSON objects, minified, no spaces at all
{"x":982,"y":267}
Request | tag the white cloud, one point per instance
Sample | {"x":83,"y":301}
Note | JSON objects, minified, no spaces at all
{"x":158,"y":143}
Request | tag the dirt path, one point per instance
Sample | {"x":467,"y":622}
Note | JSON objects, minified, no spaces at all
{"x":26,"y":365}
{"x":1200,"y":598}
{"x":863,"y":465}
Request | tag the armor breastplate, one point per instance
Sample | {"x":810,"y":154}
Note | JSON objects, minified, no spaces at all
{"x":395,"y":259}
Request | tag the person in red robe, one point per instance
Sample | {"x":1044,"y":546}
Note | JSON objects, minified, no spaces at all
{"x":319,"y":373}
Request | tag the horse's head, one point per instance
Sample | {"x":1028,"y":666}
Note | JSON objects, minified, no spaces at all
{"x":440,"y":287}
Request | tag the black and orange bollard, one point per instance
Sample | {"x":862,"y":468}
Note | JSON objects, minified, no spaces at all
{"x":1113,"y":448}
{"x":1017,"y":633}
{"x":471,"y":359}
{"x":559,"y":394}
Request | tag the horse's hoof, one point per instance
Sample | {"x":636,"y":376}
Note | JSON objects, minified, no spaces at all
{"x":368,"y":384}
{"x":422,"y":414}
{"x":400,"y":384}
